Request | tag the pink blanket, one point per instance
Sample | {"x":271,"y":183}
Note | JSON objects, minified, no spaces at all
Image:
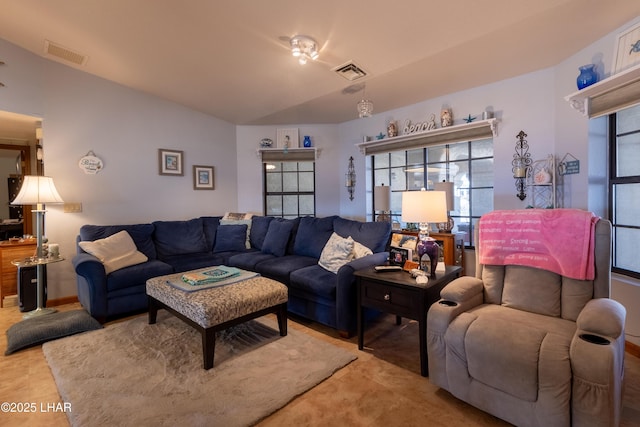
{"x":558,"y":240}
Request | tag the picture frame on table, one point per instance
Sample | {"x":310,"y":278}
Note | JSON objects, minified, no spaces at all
{"x":402,"y":240}
{"x":399,"y":256}
{"x":170,"y":162}
{"x":627,"y":49}
{"x":202,"y":177}
{"x":287,"y":138}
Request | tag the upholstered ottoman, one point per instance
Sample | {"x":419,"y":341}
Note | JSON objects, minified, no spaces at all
{"x":216,"y":308}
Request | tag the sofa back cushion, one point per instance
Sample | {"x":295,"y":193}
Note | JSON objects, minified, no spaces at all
{"x":140,"y":233}
{"x":231,"y":237}
{"x":179,"y":237}
{"x":312,"y":236}
{"x":373,"y":235}
{"x":259,"y":228}
{"x":532,"y":289}
{"x":210,"y":226}
{"x":277,"y":237}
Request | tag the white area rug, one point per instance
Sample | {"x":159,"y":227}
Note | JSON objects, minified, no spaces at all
{"x":136,"y":374}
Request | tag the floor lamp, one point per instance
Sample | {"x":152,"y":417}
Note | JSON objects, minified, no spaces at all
{"x":38,"y":190}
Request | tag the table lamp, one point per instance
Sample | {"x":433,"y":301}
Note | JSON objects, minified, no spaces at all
{"x":38,"y":190}
{"x":447,"y":187}
{"x":424,"y":207}
{"x":381,"y":202}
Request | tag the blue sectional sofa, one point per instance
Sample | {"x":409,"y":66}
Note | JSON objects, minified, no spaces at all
{"x":287,"y":250}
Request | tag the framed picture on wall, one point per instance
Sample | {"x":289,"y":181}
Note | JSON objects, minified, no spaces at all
{"x":627,"y":49}
{"x":202,"y":177}
{"x":170,"y":162}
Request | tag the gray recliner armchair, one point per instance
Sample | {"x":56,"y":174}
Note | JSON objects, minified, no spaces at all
{"x":530,"y":346}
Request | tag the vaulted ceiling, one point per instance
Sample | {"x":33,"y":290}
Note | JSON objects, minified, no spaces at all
{"x":231,"y":58}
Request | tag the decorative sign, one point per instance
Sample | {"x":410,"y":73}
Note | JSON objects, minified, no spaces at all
{"x":419,"y":127}
{"x":568,"y":167}
{"x":90,"y":164}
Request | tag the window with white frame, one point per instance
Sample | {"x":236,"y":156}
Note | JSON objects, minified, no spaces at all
{"x":624,"y":189}
{"x":469,"y":165}
{"x":289,"y":189}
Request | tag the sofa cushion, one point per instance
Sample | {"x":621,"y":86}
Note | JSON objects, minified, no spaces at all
{"x":140,"y":233}
{"x":248,"y":260}
{"x":193,"y":261}
{"x":230,"y":238}
{"x":337,"y":252}
{"x":313,"y":234}
{"x":137,"y":274}
{"x":210,"y":226}
{"x":247,"y":222}
{"x":277,"y":237}
{"x":279,"y":268}
{"x":373,"y":235}
{"x":179,"y":237}
{"x":259,"y":228}
{"x":115,"y":252}
{"x":315,"y":280}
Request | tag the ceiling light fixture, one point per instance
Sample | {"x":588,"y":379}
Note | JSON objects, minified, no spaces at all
{"x":304,"y":48}
{"x":365,"y":107}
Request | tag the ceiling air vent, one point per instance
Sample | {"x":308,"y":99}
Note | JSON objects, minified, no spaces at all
{"x":61,"y":52}
{"x":350,"y":71}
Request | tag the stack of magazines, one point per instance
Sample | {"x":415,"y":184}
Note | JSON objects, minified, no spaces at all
{"x":215,"y":274}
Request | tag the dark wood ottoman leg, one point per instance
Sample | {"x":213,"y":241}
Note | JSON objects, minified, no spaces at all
{"x":153,"y":310}
{"x":282,"y":319}
{"x":208,"y":346}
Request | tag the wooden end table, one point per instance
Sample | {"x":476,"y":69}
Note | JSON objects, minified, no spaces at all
{"x":398,"y":293}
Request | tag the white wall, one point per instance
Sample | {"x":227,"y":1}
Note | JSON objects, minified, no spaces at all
{"x":125,"y":128}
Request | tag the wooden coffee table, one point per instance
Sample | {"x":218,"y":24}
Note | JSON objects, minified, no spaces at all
{"x":398,"y":293}
{"x":214,"y":309}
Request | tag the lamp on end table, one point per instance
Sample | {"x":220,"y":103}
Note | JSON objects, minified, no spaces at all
{"x":38,"y":190}
{"x":424,"y":207}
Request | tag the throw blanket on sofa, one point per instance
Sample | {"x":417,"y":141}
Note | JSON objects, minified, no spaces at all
{"x":558,"y":240}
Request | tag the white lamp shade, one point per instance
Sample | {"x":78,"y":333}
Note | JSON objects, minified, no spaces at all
{"x":424,"y":206}
{"x":447,"y":187}
{"x":37,"y":189}
{"x":381,"y":198}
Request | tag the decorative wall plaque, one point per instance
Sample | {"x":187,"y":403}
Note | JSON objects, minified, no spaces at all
{"x":90,"y":163}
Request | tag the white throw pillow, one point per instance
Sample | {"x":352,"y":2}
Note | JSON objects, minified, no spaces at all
{"x":115,"y":252}
{"x":360,"y":250}
{"x":336,"y":252}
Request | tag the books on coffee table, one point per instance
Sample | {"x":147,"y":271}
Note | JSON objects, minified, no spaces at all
{"x":215,"y":274}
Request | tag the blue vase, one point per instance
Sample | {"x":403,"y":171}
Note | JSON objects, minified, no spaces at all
{"x":307,"y":141}
{"x":588,"y":76}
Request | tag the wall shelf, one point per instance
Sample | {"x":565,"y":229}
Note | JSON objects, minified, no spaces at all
{"x":290,"y":155}
{"x":609,"y":95}
{"x":447,"y":135}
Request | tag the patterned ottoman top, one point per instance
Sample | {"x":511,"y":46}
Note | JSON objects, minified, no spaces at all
{"x":213,"y":306}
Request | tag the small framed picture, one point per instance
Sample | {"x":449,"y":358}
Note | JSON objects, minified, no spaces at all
{"x":202,"y":177}
{"x":287,"y":138}
{"x":401,"y":240}
{"x":398,"y":256}
{"x":627,"y":49}
{"x":170,"y":162}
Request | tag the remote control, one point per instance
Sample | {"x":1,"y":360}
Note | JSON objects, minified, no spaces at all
{"x":385,"y":268}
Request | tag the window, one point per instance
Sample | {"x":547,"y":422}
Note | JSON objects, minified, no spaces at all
{"x":624,"y":189}
{"x":469,"y":165}
{"x":289,"y":189}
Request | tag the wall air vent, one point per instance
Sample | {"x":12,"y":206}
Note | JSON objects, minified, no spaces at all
{"x":61,"y":52}
{"x":350,"y":71}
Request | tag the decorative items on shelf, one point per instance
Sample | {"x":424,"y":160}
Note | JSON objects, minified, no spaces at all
{"x":469,"y":119}
{"x":392,"y":129}
{"x":520,"y":163}
{"x":350,"y":181}
{"x":266,"y":143}
{"x":306,"y":142}
{"x":446,"y":117}
{"x":588,"y":76}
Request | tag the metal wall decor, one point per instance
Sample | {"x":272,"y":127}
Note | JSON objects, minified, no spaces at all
{"x":520,"y":164}
{"x":350,"y":181}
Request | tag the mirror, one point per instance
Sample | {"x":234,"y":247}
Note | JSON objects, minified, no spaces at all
{"x":18,"y":144}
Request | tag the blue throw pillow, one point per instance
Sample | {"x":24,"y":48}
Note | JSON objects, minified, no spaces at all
{"x":277,"y":237}
{"x":231,"y":238}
